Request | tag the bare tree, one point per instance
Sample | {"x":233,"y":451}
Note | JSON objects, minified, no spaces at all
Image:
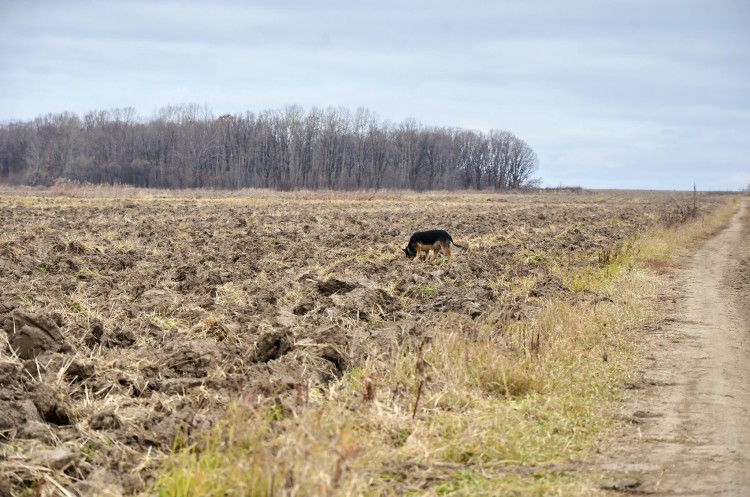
{"x":523,"y":164}
{"x":185,"y":146}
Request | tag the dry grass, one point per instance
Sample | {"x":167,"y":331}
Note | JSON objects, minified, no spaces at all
{"x":511,"y":402}
{"x":473,"y":411}
{"x":488,"y":407}
{"x":661,"y":247}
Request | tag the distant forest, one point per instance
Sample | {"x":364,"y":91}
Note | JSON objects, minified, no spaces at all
{"x":186,"y":146}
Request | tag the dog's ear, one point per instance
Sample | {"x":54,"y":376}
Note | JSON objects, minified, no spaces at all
{"x":406,"y":251}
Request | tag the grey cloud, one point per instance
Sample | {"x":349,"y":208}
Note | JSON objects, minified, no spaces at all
{"x":604,"y":91}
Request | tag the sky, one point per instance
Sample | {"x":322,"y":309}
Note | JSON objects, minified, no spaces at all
{"x":631,"y":94}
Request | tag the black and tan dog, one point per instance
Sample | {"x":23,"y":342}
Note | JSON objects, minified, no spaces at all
{"x":424,"y":241}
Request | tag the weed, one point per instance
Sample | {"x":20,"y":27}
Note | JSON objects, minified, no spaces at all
{"x":90,"y":449}
{"x":466,"y":482}
{"x":167,"y":324}
{"x":429,"y":292}
{"x":85,"y":274}
{"x":78,"y":307}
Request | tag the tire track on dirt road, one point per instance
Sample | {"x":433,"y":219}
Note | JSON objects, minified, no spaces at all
{"x":691,"y":420}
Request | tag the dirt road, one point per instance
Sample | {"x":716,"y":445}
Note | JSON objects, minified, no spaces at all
{"x":690,"y":431}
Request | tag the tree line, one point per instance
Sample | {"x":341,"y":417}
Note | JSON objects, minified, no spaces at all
{"x":186,"y":146}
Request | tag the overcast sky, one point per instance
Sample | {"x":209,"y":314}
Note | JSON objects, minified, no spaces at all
{"x":609,"y":93}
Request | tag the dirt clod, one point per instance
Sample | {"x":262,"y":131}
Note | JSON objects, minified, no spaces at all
{"x":48,"y":407}
{"x":272,"y":346}
{"x":59,"y":458}
{"x":32,"y":334}
{"x":622,"y":486}
{"x":15,"y":413}
{"x":105,"y":420}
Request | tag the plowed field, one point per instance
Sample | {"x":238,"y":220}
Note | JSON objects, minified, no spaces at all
{"x":129,"y":320}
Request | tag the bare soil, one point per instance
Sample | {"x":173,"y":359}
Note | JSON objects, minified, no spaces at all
{"x":130,"y":324}
{"x":690,"y":431}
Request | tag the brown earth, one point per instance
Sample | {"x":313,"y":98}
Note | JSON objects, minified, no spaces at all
{"x":130,"y":324}
{"x":690,"y":432}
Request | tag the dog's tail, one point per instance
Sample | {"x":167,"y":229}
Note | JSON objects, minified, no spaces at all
{"x":459,"y":246}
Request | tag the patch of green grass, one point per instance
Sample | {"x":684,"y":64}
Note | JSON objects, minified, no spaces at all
{"x":462,"y":482}
{"x":256,"y":451}
{"x":85,"y":273}
{"x":167,"y":324}
{"x":429,"y":292}
{"x":24,"y":301}
{"x":78,"y":307}
{"x":90,"y":450}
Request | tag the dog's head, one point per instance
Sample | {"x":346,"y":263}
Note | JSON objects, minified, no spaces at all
{"x":410,"y":252}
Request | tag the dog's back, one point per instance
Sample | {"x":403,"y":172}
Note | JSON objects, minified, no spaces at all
{"x":430,"y":237}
